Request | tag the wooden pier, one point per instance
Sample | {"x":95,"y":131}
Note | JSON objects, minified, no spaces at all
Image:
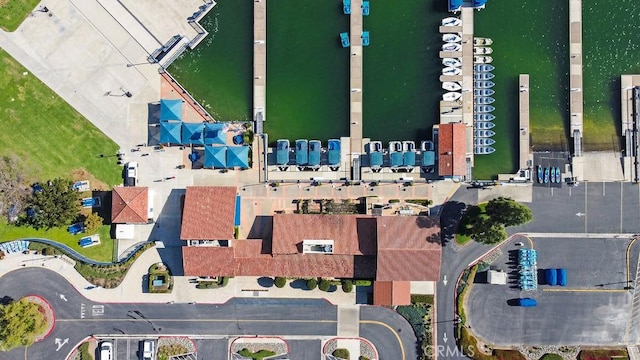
{"x":525,"y":156}
{"x":355,"y":81}
{"x":259,"y":63}
{"x":575,"y":86}
{"x":629,"y":124}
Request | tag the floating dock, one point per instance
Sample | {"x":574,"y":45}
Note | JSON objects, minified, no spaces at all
{"x":630,"y":106}
{"x":575,"y":86}
{"x":355,"y":83}
{"x":259,"y":63}
{"x":526,"y":157}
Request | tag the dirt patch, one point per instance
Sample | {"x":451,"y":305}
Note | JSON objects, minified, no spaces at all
{"x":82,"y":174}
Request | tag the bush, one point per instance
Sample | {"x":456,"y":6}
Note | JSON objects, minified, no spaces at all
{"x":362,"y":357}
{"x":551,"y":357}
{"x":312,"y":283}
{"x":324,"y":285}
{"x":224,"y":281}
{"x":394,"y":201}
{"x":602,"y":354}
{"x":362,"y":282}
{"x":347,"y":285}
{"x":421,"y":299}
{"x":341,"y":353}
{"x":280,"y":282}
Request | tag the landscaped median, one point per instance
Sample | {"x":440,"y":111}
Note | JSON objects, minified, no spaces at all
{"x":258,"y":348}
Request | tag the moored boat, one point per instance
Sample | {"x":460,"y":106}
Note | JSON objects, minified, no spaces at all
{"x":482,"y":59}
{"x":483,"y":108}
{"x":558,"y":178}
{"x":482,"y":150}
{"x":540,"y":175}
{"x":451,"y":96}
{"x":451,"y":86}
{"x":484,"y":100}
{"x":395,"y":146}
{"x":480,"y":50}
{"x":484,"y":117}
{"x":546,"y":175}
{"x":365,"y":38}
{"x":483,"y":76}
{"x":451,"y":38}
{"x":454,"y":62}
{"x":483,"y":125}
{"x":484,"y":133}
{"x":451,"y":71}
{"x":483,"y":67}
{"x":483,"y":92}
{"x":408,"y":146}
{"x":480,"y":41}
{"x":375,"y":146}
{"x":451,"y":47}
{"x":426,"y":145}
{"x":483,"y":141}
{"x":451,"y":21}
{"x":483,"y":84}
{"x":346,"y":7}
{"x":344,"y":39}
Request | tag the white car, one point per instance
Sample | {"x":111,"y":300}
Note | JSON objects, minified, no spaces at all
{"x":131,"y":174}
{"x":106,"y":351}
{"x":148,"y":350}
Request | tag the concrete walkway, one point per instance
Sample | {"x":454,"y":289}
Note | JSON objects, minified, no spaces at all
{"x":184,"y":291}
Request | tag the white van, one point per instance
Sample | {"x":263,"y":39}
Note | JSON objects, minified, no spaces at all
{"x":106,"y":351}
{"x":150,"y":217}
{"x":148,"y":350}
{"x":131,"y":174}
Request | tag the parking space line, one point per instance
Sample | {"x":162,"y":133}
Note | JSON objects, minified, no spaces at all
{"x":586,"y":213}
{"x":621,"y":203}
{"x":586,"y":290}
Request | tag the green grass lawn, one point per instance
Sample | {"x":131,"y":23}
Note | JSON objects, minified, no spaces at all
{"x":13,"y":12}
{"x":102,"y":252}
{"x":47,"y":135}
{"x":462,"y":233}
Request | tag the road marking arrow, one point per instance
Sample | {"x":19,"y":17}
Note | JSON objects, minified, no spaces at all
{"x":63,"y":297}
{"x":444,"y":281}
{"x":444,"y":337}
{"x":61,"y":343}
{"x":580,"y":214}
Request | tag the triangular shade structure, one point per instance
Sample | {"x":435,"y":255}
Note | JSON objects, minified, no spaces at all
{"x":170,"y":109}
{"x":171,"y":132}
{"x":238,"y":156}
{"x":215,"y":156}
{"x":192,"y":133}
{"x":214,"y":134}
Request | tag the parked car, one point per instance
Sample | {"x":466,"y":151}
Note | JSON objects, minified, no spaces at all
{"x":106,"y":351}
{"x":148,"y":350}
{"x":131,"y":174}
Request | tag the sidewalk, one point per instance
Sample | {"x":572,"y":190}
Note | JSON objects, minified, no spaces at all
{"x":130,"y":290}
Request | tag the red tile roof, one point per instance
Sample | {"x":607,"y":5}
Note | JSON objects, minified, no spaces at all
{"x":208,"y":213}
{"x":452,"y":150}
{"x":129,"y":205}
{"x":352,"y":234}
{"x":391,"y":293}
{"x":408,"y":265}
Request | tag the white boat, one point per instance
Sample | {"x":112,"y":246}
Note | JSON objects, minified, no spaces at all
{"x":483,"y":68}
{"x":409,"y":146}
{"x":484,"y":133}
{"x":479,"y":41}
{"x":483,"y":92}
{"x":482,"y":59}
{"x":451,"y":96}
{"x":483,"y":125}
{"x":451,"y":38}
{"x":484,"y":100}
{"x":484,"y":117}
{"x":454,"y":62}
{"x":479,"y":50}
{"x":483,"y":84}
{"x":482,"y":150}
{"x":375,"y":146}
{"x":451,"y":71}
{"x":426,"y":145}
{"x":451,"y":21}
{"x":483,"y":141}
{"x":451,"y":47}
{"x":451,"y":86}
{"x":483,"y":108}
{"x":395,"y":146}
{"x":483,"y":76}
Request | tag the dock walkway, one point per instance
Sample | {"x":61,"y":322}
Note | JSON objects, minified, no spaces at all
{"x":259,"y":63}
{"x":575,"y":85}
{"x":355,"y":80}
{"x":525,"y":158}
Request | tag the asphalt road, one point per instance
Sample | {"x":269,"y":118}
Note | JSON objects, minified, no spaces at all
{"x":78,"y":318}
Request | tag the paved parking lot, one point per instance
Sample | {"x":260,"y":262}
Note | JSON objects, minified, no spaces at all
{"x":594,"y":309}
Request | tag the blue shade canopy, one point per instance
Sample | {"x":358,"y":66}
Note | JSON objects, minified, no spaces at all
{"x":238,"y":156}
{"x":302,"y":152}
{"x":396,"y":159}
{"x":214,"y":134}
{"x":454,"y":5}
{"x":170,"y":109}
{"x":314,"y":152}
{"x":282,"y":152}
{"x":334,"y":152}
{"x":215,"y":156}
{"x":192,"y":133}
{"x":375,"y":158}
{"x":409,"y":158}
{"x":171,"y":132}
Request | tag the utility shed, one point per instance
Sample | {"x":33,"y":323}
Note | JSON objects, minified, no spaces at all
{"x":497,"y":277}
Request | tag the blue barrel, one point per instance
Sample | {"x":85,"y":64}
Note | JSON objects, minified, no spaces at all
{"x":562,"y":277}
{"x":551,"y":277}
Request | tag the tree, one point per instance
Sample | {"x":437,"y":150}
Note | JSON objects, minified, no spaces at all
{"x":341,"y":353}
{"x":93,"y":221}
{"x":54,"y":204}
{"x":347,"y":285}
{"x":324,"y":285}
{"x":280,"y":282}
{"x":312,"y":283}
{"x":488,"y":232}
{"x":20,"y":323}
{"x":508,"y":212}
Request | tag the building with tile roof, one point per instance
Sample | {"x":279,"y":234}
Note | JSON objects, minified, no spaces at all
{"x":392,"y":293}
{"x":129,"y":205}
{"x":452,"y":150}
{"x":208,"y":213}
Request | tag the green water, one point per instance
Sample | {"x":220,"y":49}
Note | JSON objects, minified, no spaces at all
{"x":219,"y":71}
{"x":610,"y":48}
{"x":307,"y":70}
{"x":401,"y":90}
